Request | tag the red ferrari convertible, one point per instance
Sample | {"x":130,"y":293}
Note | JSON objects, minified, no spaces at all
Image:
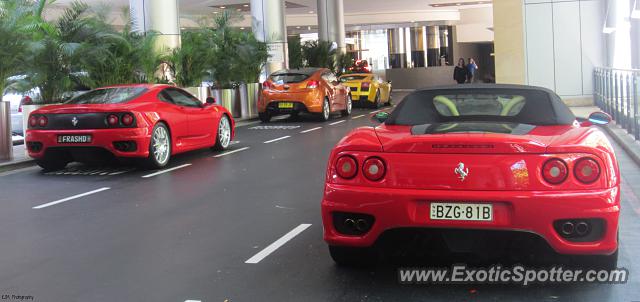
{"x":151,"y":122}
{"x":488,"y":165}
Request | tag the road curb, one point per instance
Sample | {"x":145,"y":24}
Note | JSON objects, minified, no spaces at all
{"x":625,"y":140}
{"x":15,"y":165}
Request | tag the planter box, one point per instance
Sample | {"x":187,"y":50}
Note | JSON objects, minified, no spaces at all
{"x":249,"y":94}
{"x":230,"y":99}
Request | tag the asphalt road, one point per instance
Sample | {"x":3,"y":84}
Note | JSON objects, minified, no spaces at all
{"x":187,"y":234}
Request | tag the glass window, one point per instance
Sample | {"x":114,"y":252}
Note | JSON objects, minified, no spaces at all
{"x":347,"y":78}
{"x":109,"y":95}
{"x":285,"y":78}
{"x":182,"y":98}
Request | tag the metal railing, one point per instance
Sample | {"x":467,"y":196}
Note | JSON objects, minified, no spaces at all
{"x":616,"y":93}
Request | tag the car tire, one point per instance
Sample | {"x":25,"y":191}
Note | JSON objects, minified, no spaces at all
{"x":388,"y":103}
{"x":349,"y":105}
{"x":353,"y":256}
{"x":376,"y":101}
{"x":223,"y":136}
{"x":52,"y":164}
{"x":159,"y":147}
{"x":326,"y":111}
{"x":265,"y":117}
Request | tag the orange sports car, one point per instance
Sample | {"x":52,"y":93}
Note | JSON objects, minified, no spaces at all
{"x":313,"y":90}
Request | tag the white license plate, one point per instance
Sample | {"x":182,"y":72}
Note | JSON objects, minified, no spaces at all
{"x":461,"y":211}
{"x":74,"y":139}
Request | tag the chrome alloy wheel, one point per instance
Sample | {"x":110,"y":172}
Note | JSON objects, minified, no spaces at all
{"x":349,"y":104}
{"x":224,"y":132}
{"x":325,"y":110}
{"x":161,"y":145}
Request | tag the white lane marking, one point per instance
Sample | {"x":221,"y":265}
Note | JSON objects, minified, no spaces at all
{"x":165,"y":171}
{"x":231,"y":152}
{"x":338,"y":122}
{"x":277,"y":139}
{"x":70,"y":198}
{"x":357,"y":116}
{"x":277,"y":244}
{"x":192,"y":301}
{"x":309,"y":130}
{"x":376,"y":111}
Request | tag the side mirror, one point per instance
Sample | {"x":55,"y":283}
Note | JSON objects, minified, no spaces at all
{"x":599,"y":118}
{"x":389,"y":81}
{"x":380,"y":117}
{"x":210,"y":100}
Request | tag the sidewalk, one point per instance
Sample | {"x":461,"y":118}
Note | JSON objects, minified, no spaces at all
{"x":20,"y":160}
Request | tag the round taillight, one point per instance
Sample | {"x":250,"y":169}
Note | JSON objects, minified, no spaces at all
{"x":586,"y":170}
{"x":373,"y":169}
{"x":42,"y":121}
{"x":33,"y":121}
{"x":554,"y":171}
{"x":127,"y":119}
{"x":112,"y":120}
{"x":346,"y":167}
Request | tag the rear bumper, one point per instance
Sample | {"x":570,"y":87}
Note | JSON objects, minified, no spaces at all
{"x":101,"y":138}
{"x":525,"y":211}
{"x":310,"y":101}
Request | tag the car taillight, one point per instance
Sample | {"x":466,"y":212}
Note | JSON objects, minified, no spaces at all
{"x":373,"y":169}
{"x":33,"y":121}
{"x":586,"y":170}
{"x":43,"y":121}
{"x":554,"y":171}
{"x":112,"y":120}
{"x":364,"y":86}
{"x":127,"y":119}
{"x":346,"y":167}
{"x":312,"y":84}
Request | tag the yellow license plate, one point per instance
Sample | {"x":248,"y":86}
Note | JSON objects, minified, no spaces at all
{"x":285,"y":105}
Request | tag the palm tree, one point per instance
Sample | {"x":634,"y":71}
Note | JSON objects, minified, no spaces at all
{"x":53,"y":56}
{"x":120,"y":57}
{"x":15,"y":16}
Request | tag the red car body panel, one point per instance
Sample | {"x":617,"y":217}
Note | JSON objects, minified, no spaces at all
{"x":190,"y":127}
{"x":504,"y":170}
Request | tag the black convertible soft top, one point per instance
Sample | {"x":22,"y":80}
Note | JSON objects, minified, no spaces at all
{"x":482,"y":103}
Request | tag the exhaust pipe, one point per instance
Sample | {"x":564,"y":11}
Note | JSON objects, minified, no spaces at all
{"x":350,"y":223}
{"x":582,"y":228}
{"x":568,"y":228}
{"x":362,"y":225}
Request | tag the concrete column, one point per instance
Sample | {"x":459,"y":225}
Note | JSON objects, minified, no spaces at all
{"x":331,"y":22}
{"x":418,"y":46}
{"x":397,"y":54}
{"x":268,"y":24}
{"x":508,"y":29}
{"x":433,"y":45}
{"x":160,"y":16}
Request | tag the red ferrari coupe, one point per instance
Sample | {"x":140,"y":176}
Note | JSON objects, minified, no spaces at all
{"x":151,"y":122}
{"x":488,"y":165}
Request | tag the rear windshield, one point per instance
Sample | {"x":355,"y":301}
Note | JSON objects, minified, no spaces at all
{"x":524,"y":106}
{"x":285,"y":78}
{"x":352,"y":78}
{"x":109,"y":95}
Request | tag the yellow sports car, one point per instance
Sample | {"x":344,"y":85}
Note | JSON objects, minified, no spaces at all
{"x":367,"y":89}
